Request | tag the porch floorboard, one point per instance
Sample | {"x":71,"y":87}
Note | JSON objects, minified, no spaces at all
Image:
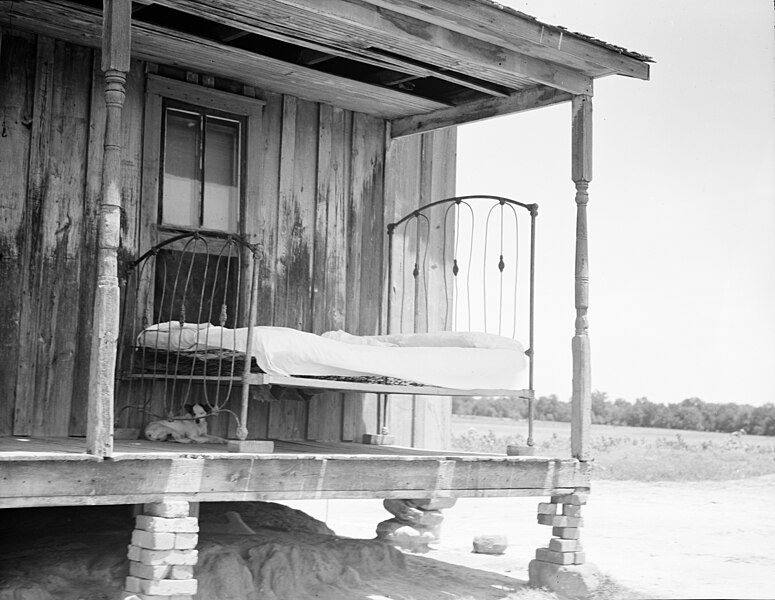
{"x":57,"y":471}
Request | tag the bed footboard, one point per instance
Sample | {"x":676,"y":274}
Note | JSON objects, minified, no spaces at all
{"x":466,"y":264}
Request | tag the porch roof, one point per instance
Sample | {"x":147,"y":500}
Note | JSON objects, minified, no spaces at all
{"x":422,"y":64}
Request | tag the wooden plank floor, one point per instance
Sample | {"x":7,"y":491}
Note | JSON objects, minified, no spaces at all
{"x":23,"y":448}
{"x":58,"y":472}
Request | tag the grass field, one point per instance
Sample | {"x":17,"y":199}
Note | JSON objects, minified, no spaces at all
{"x":630,"y":453}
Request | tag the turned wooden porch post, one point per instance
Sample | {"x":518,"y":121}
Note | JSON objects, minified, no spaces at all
{"x":581,"y":172}
{"x":115,"y":63}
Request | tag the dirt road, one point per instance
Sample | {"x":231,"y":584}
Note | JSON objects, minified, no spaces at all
{"x":667,"y":540}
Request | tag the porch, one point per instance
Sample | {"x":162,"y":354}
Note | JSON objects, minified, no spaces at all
{"x":59,"y":472}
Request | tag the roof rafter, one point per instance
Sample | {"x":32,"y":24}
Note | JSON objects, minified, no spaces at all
{"x":364,"y":28}
{"x":83,"y":25}
{"x":254,"y":23}
{"x":486,"y":21}
{"x":478,"y":110}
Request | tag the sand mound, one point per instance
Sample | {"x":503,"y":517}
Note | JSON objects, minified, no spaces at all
{"x":212,"y":515}
{"x":80,"y":554}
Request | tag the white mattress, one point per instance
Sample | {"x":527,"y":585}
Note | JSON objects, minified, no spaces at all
{"x":461,"y":360}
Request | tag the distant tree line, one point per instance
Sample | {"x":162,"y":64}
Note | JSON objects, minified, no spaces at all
{"x":692,"y":413}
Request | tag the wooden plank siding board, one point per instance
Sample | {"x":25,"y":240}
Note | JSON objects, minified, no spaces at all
{"x":365,"y":235}
{"x":268,"y":164}
{"x":330,"y":268}
{"x":431,"y":424}
{"x":31,"y":256}
{"x":295,"y":248}
{"x":403,"y":182}
{"x":92,"y":195}
{"x":53,"y":234}
{"x":367,"y":190}
{"x":17,"y":72}
{"x":419,"y":169}
{"x":403,"y":174}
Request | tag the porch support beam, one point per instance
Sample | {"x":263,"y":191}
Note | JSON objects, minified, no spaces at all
{"x":479,"y":110}
{"x":581,"y":172}
{"x":115,"y":63}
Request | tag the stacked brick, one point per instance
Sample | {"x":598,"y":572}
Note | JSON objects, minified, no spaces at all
{"x":415,"y":523}
{"x":163,"y":553}
{"x":563,"y":515}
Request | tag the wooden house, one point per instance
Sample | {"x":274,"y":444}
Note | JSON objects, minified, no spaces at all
{"x":339,"y":117}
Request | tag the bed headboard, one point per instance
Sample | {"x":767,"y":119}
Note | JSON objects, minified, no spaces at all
{"x":467,"y":264}
{"x":188,"y":278}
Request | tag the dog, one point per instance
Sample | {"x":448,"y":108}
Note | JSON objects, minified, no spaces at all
{"x":186,"y":428}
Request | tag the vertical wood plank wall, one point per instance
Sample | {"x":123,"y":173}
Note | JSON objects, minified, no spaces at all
{"x":420,"y":169}
{"x":329,"y":181}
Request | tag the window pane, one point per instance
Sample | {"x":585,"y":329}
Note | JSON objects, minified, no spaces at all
{"x":221,"y":176}
{"x":181,"y":187}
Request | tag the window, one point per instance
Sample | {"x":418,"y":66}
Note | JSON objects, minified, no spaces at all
{"x":201,"y":168}
{"x":198,"y":143}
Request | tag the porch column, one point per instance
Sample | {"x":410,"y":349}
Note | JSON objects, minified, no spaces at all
{"x":115,"y":63}
{"x":581,"y":171}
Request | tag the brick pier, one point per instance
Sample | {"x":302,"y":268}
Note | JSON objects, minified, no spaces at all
{"x":163,"y":553}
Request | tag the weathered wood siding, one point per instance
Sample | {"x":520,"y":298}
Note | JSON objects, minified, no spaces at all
{"x":329,"y":181}
{"x":45,"y":232}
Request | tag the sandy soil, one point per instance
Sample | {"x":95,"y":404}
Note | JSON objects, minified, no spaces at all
{"x":665,"y":540}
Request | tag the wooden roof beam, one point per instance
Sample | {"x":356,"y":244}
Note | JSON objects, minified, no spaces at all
{"x":82,"y":25}
{"x":479,"y":110}
{"x":368,"y":30}
{"x":352,"y":48}
{"x":486,"y":21}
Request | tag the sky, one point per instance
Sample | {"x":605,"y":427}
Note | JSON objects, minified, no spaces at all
{"x":682,"y":203}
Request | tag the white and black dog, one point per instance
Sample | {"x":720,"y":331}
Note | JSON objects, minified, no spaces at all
{"x":188,"y":427}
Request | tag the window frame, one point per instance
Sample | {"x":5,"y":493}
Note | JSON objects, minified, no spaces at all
{"x":211,"y":101}
{"x":205,"y":115}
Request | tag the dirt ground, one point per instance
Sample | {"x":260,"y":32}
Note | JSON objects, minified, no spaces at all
{"x":665,"y":540}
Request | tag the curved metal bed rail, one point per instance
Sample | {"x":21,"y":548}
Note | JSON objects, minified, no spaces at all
{"x":190,"y":278}
{"x":499,"y":252}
